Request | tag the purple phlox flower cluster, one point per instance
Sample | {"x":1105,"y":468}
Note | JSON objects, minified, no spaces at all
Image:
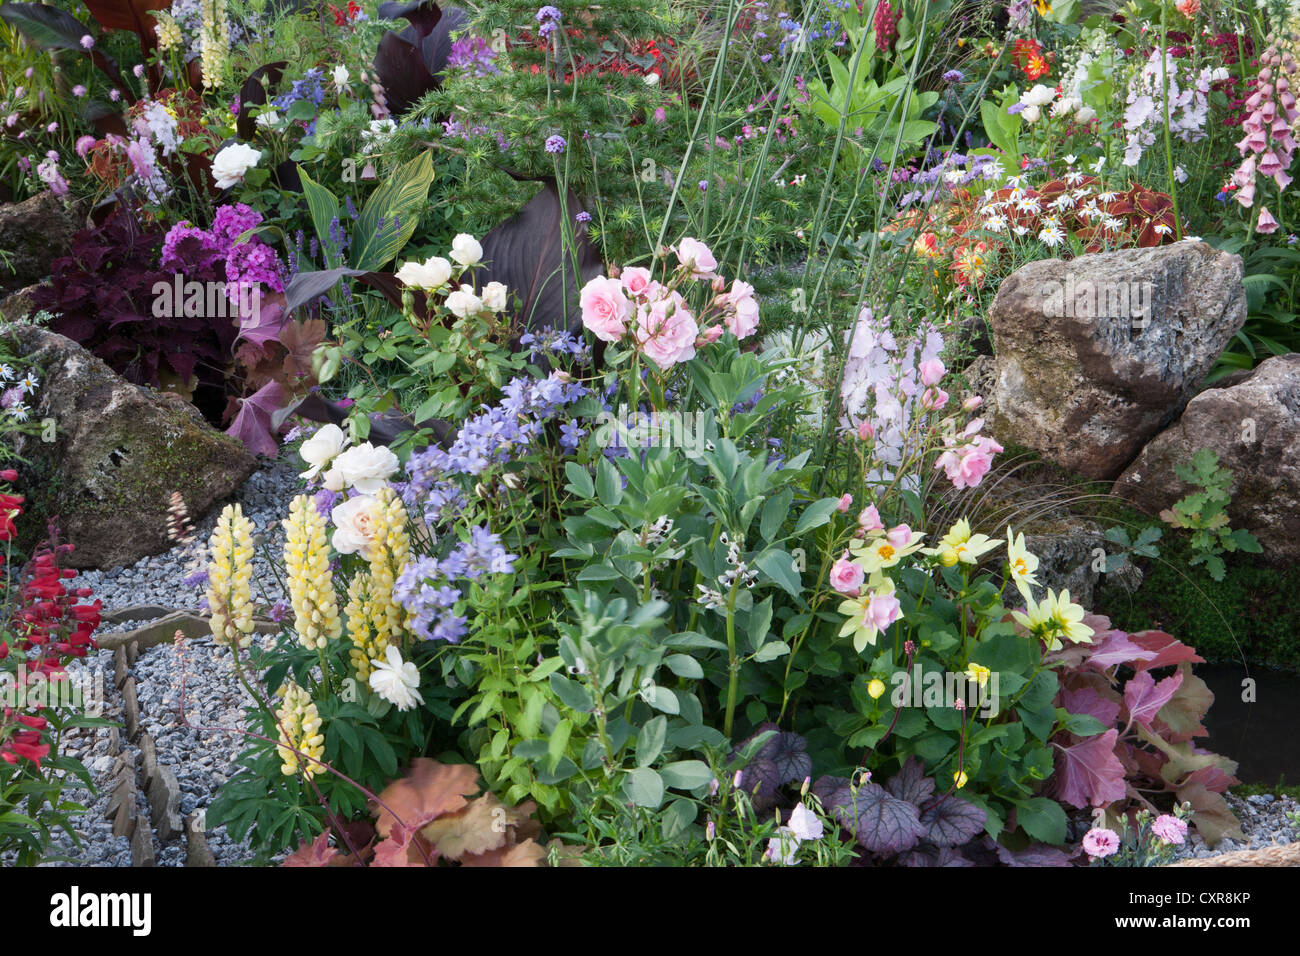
{"x":188,"y":247}
{"x":472,"y":54}
{"x":231,"y":222}
{"x":253,"y":264}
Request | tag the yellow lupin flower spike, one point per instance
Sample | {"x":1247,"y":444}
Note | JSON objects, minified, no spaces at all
{"x":390,"y":548}
{"x":366,"y":644}
{"x":311,"y":587}
{"x":300,"y":725}
{"x":230,"y":578}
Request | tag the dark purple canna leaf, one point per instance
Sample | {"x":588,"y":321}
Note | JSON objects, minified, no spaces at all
{"x":411,"y":63}
{"x":526,"y":253}
{"x":951,"y":821}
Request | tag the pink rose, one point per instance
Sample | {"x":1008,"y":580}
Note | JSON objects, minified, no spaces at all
{"x":846,"y":502}
{"x":637,"y":281}
{"x":709,"y":336}
{"x":695,"y":255}
{"x":847,"y":576}
{"x":899,"y":536}
{"x":743,"y":322}
{"x":865,"y":431}
{"x":869,"y":519}
{"x":666,"y":332}
{"x":932,"y":372}
{"x":605,"y":309}
{"x":882,"y":610}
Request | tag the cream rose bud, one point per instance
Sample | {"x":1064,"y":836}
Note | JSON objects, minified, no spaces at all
{"x":332,"y":480}
{"x":496,"y":296}
{"x":340,"y":76}
{"x":354,"y":524}
{"x":463,"y":302}
{"x":1085,"y":115}
{"x":231,"y":164}
{"x":318,"y":450}
{"x":466,"y":250}
{"x":367,"y":468}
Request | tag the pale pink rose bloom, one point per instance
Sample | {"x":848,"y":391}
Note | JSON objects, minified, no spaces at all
{"x":932,"y":372}
{"x":744,"y":322}
{"x":696,"y":256}
{"x":847,"y":577}
{"x":882,"y":610}
{"x":899,"y":536}
{"x":869,"y":519}
{"x":846,"y":502}
{"x":637,"y":281}
{"x":605,"y":309}
{"x":666,"y":332}
{"x":865,"y":431}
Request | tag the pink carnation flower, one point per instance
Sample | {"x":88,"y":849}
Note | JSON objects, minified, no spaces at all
{"x":1170,"y":829}
{"x":1099,"y":842}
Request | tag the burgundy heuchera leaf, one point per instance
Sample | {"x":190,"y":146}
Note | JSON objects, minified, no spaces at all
{"x":1144,"y":697}
{"x":1088,"y":773}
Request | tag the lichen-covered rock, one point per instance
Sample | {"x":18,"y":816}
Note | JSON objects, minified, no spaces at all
{"x":1095,"y":355}
{"x":34,"y":233}
{"x":115,"y":453}
{"x":1254,"y":428}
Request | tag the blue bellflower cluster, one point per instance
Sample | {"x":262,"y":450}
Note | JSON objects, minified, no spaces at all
{"x":425,"y":587}
{"x":499,"y":434}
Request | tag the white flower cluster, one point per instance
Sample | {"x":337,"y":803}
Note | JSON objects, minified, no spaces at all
{"x":435,"y":274}
{"x":1189,"y":105}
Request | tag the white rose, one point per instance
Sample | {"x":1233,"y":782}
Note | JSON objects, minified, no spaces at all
{"x":433,"y":273}
{"x":652,"y":79}
{"x":1039,"y":95}
{"x":496,"y":296}
{"x":354,"y":524}
{"x":466,"y":250}
{"x":1030,"y":114}
{"x":366,"y":468}
{"x":1085,"y":115}
{"x":340,"y":77}
{"x":395,"y":680}
{"x":269,"y":119}
{"x":320,"y":448}
{"x":231,"y":164}
{"x":463,"y":302}
{"x":332,"y":480}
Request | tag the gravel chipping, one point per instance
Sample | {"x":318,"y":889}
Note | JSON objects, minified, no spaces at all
{"x":1264,"y":822}
{"x":159,"y":579}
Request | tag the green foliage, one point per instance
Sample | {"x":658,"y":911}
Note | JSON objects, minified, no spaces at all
{"x":1204,"y":514}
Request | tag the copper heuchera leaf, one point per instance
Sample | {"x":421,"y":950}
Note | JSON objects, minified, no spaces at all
{"x":1088,"y":773}
{"x":316,"y":853}
{"x":1143,"y":697}
{"x":428,"y":791}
